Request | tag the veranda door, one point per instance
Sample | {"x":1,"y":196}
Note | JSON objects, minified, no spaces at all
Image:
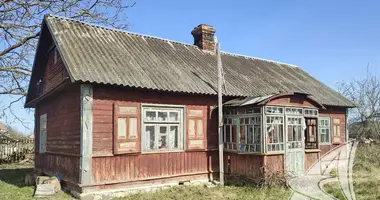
{"x":295,"y":151}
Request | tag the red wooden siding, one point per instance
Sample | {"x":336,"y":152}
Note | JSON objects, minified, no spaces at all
{"x":109,"y":167}
{"x":334,"y":113}
{"x":295,"y":101}
{"x":66,"y":166}
{"x":63,"y":134}
{"x":148,"y":166}
{"x":274,"y":163}
{"x":63,"y":122}
{"x":243,"y":164}
{"x":310,"y":159}
{"x":106,"y":97}
{"x":54,"y":74}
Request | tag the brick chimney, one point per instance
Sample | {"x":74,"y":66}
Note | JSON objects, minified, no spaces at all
{"x":204,"y":37}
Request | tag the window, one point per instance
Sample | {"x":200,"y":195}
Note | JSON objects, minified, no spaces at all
{"x":275,"y":133}
{"x":311,"y":112}
{"x":229,"y":132}
{"x":43,"y":132}
{"x":311,"y":133}
{"x":295,"y":132}
{"x":162,"y":129}
{"x":250,"y":133}
{"x":336,"y":127}
{"x":274,"y":110}
{"x":293,"y":111}
{"x":324,"y":130}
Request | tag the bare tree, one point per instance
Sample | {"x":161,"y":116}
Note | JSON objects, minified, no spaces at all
{"x":365,"y":93}
{"x":20,"y":27}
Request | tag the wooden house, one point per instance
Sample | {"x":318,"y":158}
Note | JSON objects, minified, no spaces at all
{"x":119,"y":110}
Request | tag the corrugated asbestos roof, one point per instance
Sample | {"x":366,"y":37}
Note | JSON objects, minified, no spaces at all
{"x":102,"y":55}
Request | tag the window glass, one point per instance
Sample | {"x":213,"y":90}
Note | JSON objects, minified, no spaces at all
{"x":150,"y":137}
{"x":242,"y":133}
{"x":173,"y":116}
{"x":324,"y":129}
{"x":274,"y":110}
{"x":275,"y":135}
{"x":163,"y":129}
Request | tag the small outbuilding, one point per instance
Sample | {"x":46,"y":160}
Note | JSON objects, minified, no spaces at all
{"x":119,"y":110}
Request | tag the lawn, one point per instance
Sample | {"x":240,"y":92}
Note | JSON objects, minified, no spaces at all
{"x":219,"y":193}
{"x":12,"y":186}
{"x":366,"y":174}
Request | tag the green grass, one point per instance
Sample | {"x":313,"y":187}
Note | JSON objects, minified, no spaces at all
{"x":333,"y":188}
{"x":219,"y":193}
{"x":367,"y":172}
{"x":12,"y":184}
{"x":334,"y":172}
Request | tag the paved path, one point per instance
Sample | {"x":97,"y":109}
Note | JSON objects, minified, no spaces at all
{"x":309,"y":185}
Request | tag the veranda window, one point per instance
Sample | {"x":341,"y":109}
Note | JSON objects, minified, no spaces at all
{"x":250,"y":133}
{"x":275,"y":133}
{"x":230,"y":133}
{"x":324,"y":129}
{"x":163,"y":129}
{"x":311,"y":112}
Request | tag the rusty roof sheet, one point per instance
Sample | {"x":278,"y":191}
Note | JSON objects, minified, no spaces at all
{"x":103,"y":55}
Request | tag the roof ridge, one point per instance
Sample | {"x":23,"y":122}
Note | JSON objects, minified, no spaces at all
{"x":121,"y":30}
{"x":262,"y":59}
{"x":165,"y":39}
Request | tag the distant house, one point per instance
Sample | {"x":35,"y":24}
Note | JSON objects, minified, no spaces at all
{"x":119,"y":110}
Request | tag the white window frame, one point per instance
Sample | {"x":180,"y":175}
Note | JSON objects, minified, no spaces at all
{"x":228,"y":145}
{"x":253,"y":147}
{"x":180,"y":123}
{"x":43,"y":133}
{"x":274,"y":108}
{"x":283,"y":134}
{"x":306,"y":112}
{"x":292,"y":109}
{"x":326,"y":127}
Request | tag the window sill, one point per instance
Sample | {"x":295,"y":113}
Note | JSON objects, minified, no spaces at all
{"x":325,"y":144}
{"x":159,"y":152}
{"x":312,"y":150}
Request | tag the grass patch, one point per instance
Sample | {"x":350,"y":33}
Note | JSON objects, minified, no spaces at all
{"x":333,"y":188}
{"x":367,"y":171}
{"x":334,"y":172}
{"x":219,"y":192}
{"x":12,"y":185}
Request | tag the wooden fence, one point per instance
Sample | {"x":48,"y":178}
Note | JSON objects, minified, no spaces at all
{"x":15,"y":149}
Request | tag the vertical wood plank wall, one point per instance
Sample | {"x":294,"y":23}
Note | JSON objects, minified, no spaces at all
{"x":243,"y":164}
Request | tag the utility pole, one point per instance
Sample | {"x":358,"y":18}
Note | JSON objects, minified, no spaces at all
{"x":220,"y":112}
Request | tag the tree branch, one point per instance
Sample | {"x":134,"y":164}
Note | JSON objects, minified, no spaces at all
{"x":17,"y":45}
